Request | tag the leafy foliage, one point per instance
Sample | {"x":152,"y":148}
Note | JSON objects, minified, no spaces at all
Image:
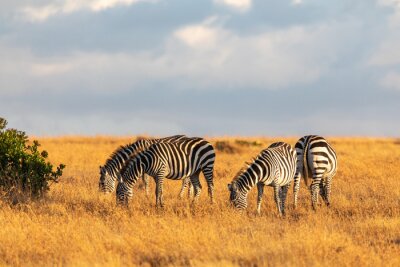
{"x":225,"y":147}
{"x":248,"y":143}
{"x":23,"y":167}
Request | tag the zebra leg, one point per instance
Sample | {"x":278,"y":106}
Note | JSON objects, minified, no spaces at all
{"x":185,"y":183}
{"x":197,"y":187}
{"x":296,"y":187}
{"x":277,"y":189}
{"x":145,"y":179}
{"x":260,"y":187}
{"x":327,"y":191}
{"x":315,"y":192}
{"x":190,"y":190}
{"x":208,"y":174}
{"x":283,"y":191}
{"x":159,"y":191}
{"x":322,"y":192}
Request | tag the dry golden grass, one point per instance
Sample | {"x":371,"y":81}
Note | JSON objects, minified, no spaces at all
{"x":76,"y":225}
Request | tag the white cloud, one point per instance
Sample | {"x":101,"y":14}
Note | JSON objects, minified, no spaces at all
{"x":395,"y":3}
{"x":297,"y":2}
{"x":50,"y":69}
{"x":387,"y":55}
{"x":391,"y":80}
{"x":43,"y":12}
{"x":388,"y":52}
{"x":216,"y":57}
{"x":202,"y":56}
{"x":201,"y":35}
{"x":240,"y":5}
{"x":394,"y":19}
{"x":197,"y":35}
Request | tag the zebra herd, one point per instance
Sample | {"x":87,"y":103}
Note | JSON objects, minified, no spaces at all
{"x":183,"y":158}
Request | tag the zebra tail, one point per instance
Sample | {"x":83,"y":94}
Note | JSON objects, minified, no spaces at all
{"x":305,"y":163}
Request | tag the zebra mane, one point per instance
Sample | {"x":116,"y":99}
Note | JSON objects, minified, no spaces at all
{"x":133,"y":161}
{"x":117,"y":152}
{"x":128,"y":163}
{"x":244,"y":169}
{"x":110,"y":162}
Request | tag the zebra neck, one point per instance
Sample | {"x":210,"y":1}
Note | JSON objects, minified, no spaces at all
{"x":119,"y":158}
{"x":245,"y":182}
{"x":122,"y":155}
{"x":145,"y":163}
{"x":134,"y":172}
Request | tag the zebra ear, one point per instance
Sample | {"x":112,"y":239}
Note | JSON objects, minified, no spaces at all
{"x":103,"y":170}
{"x":230,"y":187}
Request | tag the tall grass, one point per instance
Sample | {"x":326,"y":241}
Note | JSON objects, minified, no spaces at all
{"x":76,"y":225}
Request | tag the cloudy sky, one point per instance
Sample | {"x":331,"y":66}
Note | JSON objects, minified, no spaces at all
{"x":210,"y":67}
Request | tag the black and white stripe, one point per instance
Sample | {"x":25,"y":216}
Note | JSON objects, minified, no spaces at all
{"x":176,"y":161}
{"x":110,"y":172}
{"x":274,"y":166}
{"x":317,"y":160}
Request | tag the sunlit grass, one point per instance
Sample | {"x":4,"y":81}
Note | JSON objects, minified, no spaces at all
{"x":76,"y":225}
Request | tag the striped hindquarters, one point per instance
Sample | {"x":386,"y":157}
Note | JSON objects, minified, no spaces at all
{"x":315,"y":157}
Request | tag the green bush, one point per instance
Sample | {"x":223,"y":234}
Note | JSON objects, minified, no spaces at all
{"x":225,"y":147}
{"x":24,"y":172}
{"x":248,"y":143}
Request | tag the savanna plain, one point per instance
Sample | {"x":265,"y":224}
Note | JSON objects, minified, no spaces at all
{"x":75,"y":225}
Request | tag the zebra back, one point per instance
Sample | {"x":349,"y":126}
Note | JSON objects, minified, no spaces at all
{"x":182,"y":158}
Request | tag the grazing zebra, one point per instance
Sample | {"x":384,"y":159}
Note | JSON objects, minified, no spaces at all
{"x":177,"y":160}
{"x":274,"y":166}
{"x":113,"y":166}
{"x":317,"y":160}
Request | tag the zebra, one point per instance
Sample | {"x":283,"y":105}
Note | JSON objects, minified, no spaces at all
{"x":185,"y":158}
{"x":111,"y":170}
{"x":316,"y":158}
{"x":275,"y":166}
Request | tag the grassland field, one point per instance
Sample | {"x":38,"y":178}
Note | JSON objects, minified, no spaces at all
{"x":75,"y":225}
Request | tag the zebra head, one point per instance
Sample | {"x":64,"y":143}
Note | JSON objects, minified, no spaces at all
{"x":133,"y":170}
{"x":124,"y":193}
{"x":237,"y":198}
{"x":106,"y":181}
